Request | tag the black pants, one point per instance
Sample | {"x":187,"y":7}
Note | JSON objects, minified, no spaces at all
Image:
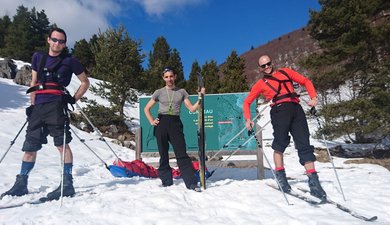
{"x":170,"y":130}
{"x":286,"y":118}
{"x":47,"y":118}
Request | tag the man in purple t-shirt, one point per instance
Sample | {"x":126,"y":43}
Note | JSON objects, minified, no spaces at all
{"x":51,"y":73}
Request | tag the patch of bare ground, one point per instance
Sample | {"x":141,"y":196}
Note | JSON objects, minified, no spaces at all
{"x":322,"y":156}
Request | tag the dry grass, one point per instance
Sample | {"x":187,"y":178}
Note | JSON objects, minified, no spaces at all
{"x":382,"y":162}
{"x":322,"y":156}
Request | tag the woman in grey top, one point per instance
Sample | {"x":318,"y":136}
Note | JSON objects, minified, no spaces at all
{"x":169,"y":128}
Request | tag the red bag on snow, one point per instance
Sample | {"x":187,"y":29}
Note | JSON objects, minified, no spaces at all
{"x":176,"y":172}
{"x":139,"y":168}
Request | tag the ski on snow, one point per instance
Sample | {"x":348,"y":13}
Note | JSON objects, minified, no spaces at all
{"x":343,"y":208}
{"x":201,"y":135}
{"x":41,"y":200}
{"x":30,"y":202}
{"x":318,"y":202}
{"x":312,"y":201}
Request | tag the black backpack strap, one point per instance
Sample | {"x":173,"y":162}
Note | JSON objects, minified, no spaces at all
{"x":285,"y":74}
{"x":290,"y":94}
{"x":277,"y":91}
{"x":41,"y":69}
{"x":289,"y":80}
{"x":45,"y":87}
{"x":41,"y":74}
{"x":266,"y":78}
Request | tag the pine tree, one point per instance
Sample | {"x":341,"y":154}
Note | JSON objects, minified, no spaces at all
{"x":175,"y":63}
{"x":233,"y":79}
{"x":210,"y":74}
{"x":355,"y":58}
{"x":158,"y":59}
{"x":4,"y":25}
{"x":192,"y":82}
{"x":17,"y":40}
{"x":83,"y":53}
{"x":26,"y":34}
{"x":119,"y":61}
{"x":40,"y":26}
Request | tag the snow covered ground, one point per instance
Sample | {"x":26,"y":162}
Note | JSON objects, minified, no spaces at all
{"x":233,"y":195}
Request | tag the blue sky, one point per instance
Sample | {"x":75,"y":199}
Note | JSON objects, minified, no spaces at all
{"x":200,"y":30}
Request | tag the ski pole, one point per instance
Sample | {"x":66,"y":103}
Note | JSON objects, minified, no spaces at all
{"x":201,"y":134}
{"x":243,"y":129}
{"x":97,"y":130}
{"x":313,"y":111}
{"x":240,"y":132}
{"x":13,"y":141}
{"x":63,"y":156}
{"x":259,"y":145}
{"x":83,"y":141}
{"x":238,"y":148}
{"x":231,"y":154}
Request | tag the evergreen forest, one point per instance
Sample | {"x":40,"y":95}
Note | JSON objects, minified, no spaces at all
{"x":352,"y":70}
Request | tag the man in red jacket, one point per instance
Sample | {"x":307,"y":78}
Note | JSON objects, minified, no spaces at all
{"x":287,"y":116}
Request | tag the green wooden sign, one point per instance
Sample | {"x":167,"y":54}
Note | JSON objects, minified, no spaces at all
{"x":223,"y":120}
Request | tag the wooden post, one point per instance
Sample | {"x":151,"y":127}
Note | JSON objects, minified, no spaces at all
{"x":138,"y":143}
{"x":260,"y":164}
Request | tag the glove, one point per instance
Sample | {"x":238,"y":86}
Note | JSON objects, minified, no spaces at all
{"x":313,"y":111}
{"x":29,"y":110}
{"x":67,"y":98}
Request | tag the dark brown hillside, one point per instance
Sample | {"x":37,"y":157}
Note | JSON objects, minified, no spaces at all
{"x":285,"y":51}
{"x":288,"y":49}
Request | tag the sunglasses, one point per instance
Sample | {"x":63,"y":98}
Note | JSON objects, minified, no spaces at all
{"x":266,"y":64}
{"x":167,"y":70}
{"x":55,"y":40}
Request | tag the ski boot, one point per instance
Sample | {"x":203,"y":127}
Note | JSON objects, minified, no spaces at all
{"x":315,"y":186}
{"x":67,"y":192}
{"x":195,"y":187}
{"x":19,"y":188}
{"x":167,"y":183}
{"x":282,"y":179}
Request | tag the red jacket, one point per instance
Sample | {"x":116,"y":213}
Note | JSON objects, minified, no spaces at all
{"x":261,"y":88}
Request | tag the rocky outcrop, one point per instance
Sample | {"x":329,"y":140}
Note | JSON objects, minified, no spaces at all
{"x":377,"y":151}
{"x":23,"y":76}
{"x":7,"y":68}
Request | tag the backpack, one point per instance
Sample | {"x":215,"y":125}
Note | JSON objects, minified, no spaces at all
{"x":177,"y":175}
{"x":137,"y":168}
{"x":277,"y":97}
{"x":42,"y":86}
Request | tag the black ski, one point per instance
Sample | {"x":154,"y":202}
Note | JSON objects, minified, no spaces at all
{"x":295,"y":194}
{"x":201,"y":135}
{"x":343,"y":208}
{"x":32,"y":202}
{"x":41,"y":200}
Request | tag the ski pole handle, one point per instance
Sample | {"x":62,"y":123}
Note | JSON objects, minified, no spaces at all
{"x":251,"y":132}
{"x":200,"y":80}
{"x":313,"y":111}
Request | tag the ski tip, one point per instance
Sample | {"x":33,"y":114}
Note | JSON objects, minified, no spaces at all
{"x":43,"y":199}
{"x":323,"y":200}
{"x":372,"y":218}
